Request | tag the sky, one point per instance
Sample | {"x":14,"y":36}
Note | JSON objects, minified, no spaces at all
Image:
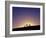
{"x":24,"y":15}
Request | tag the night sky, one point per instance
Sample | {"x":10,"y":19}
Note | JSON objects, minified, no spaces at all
{"x":23,"y":15}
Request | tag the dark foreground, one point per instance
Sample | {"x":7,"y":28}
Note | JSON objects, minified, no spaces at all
{"x":27,"y":28}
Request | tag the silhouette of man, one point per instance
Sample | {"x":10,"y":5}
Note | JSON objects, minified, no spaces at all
{"x":29,"y":24}
{"x":26,"y":24}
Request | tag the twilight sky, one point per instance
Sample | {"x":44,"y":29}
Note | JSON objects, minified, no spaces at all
{"x":24,"y":15}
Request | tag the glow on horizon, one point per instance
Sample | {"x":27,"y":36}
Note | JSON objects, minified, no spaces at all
{"x":23,"y":24}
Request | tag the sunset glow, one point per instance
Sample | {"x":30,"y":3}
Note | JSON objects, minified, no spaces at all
{"x":23,"y":16}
